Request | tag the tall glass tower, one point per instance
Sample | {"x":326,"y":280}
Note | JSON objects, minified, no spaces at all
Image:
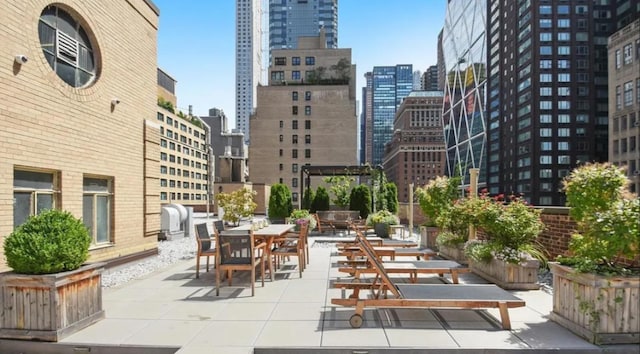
{"x":463,"y":115}
{"x":390,"y":85}
{"x":290,"y":19}
{"x":248,"y":59}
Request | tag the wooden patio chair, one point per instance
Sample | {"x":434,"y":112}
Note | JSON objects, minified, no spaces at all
{"x":294,"y":245}
{"x":237,"y":250}
{"x":427,"y":296}
{"x":206,"y":246}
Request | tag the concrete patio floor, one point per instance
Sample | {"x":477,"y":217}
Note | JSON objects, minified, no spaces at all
{"x":170,"y":308}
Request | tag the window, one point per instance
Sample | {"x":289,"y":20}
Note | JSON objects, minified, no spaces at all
{"x":307,"y":153}
{"x":545,"y":10}
{"x":638,"y":90}
{"x":564,"y":132}
{"x":563,"y":9}
{"x":563,"y":91}
{"x":628,"y":93}
{"x":294,"y":95}
{"x":545,"y":160}
{"x":295,"y":75}
{"x":294,"y":168}
{"x":563,"y":145}
{"x":545,"y":77}
{"x":160,"y":117}
{"x":564,"y":23}
{"x":307,"y":124}
{"x":618,"y":59}
{"x":545,"y":105}
{"x":96,"y":208}
{"x":546,"y":132}
{"x":546,"y":118}
{"x":545,"y":91}
{"x":545,"y":37}
{"x":294,"y":110}
{"x":310,"y":60}
{"x":546,"y":50}
{"x":277,"y":75}
{"x":628,"y":54}
{"x":307,"y":95}
{"x":564,"y":104}
{"x":280,"y":61}
{"x":294,"y":139}
{"x":546,"y":64}
{"x":564,"y":77}
{"x":294,"y":153}
{"x":294,"y":124}
{"x":163,"y":170}
{"x":546,"y":146}
{"x":546,"y":173}
{"x":294,"y":183}
{"x":545,"y":23}
{"x":618,"y":97}
{"x":67,"y":47}
{"x":295,"y":60}
{"x":564,"y":64}
{"x":307,"y":110}
{"x":307,"y":139}
{"x":564,"y":50}
{"x":281,"y":124}
{"x":281,"y":138}
{"x":163,"y":156}
{"x":564,"y":36}
{"x":281,"y":167}
{"x":33,"y":192}
{"x":280,"y":152}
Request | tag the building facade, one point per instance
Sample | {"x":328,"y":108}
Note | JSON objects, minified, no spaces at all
{"x":547,"y":97}
{"x":366,"y":132}
{"x":184,"y":152}
{"x":290,"y":20}
{"x":229,"y":149}
{"x":464,"y":113}
{"x":430,"y":79}
{"x":417,"y":153}
{"x":306,"y":115}
{"x":248,"y":59}
{"x":389,"y":86}
{"x":79,"y":129}
{"x":624,"y":105}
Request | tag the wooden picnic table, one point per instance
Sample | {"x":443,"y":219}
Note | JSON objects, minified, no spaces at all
{"x":268,"y":235}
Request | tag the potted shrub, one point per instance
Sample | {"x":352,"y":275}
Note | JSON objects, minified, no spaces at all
{"x":360,"y":200}
{"x":381,"y":220}
{"x":391,"y":197}
{"x":280,"y":204}
{"x":51,"y":292}
{"x":509,"y":256}
{"x":340,"y":187}
{"x":453,"y":223}
{"x":435,"y":198}
{"x":237,"y":205}
{"x":596,"y":286}
{"x":321,"y":200}
{"x":300,"y":216}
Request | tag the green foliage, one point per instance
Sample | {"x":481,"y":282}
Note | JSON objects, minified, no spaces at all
{"x":437,"y":196}
{"x":195,"y":121}
{"x":391,"y":191}
{"x":479,"y":251}
{"x":607,"y":217}
{"x":321,"y":200}
{"x":280,"y":204}
{"x":450,"y":239}
{"x":382,"y":217}
{"x":299,"y":216}
{"x":342,"y":69}
{"x":307,"y":199}
{"x":340,"y":188}
{"x":379,"y":189}
{"x":166,"y":105}
{"x":50,"y":242}
{"x":182,"y":115}
{"x":360,"y":200}
{"x":237,"y":204}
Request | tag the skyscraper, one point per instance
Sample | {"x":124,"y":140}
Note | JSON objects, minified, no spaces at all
{"x":430,"y":79}
{"x":548,"y":97}
{"x":289,"y":20}
{"x":463,"y":43}
{"x":389,"y":86}
{"x":248,"y":59}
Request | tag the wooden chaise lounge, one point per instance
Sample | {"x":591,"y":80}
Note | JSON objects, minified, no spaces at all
{"x":412,"y":269}
{"x":456,"y":296}
{"x":351,"y":252}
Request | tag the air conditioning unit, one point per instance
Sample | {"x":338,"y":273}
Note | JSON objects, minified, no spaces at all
{"x":636,"y":123}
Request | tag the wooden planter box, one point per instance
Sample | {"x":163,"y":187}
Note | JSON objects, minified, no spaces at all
{"x":50,"y":307}
{"x":453,"y":253}
{"x":523,"y":276}
{"x":603,"y":310}
{"x":428,"y":235}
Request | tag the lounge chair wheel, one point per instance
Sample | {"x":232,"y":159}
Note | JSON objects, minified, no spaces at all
{"x":355,"y":321}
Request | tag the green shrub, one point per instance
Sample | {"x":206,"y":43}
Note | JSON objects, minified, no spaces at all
{"x":307,"y":199}
{"x":280,"y":204}
{"x":50,"y":242}
{"x":340,"y":188}
{"x":360,"y":199}
{"x":437,"y":196}
{"x":382,"y":217}
{"x":321,"y":201}
{"x":450,"y":239}
{"x":237,"y":204}
{"x":391,"y":191}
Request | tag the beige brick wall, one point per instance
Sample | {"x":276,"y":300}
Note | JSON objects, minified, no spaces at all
{"x":47,"y":124}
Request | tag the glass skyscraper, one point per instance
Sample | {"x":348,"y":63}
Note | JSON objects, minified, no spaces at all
{"x":390,"y":85}
{"x":290,"y":19}
{"x":463,"y":115}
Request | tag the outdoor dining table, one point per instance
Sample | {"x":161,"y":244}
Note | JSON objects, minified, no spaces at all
{"x":268,"y":235}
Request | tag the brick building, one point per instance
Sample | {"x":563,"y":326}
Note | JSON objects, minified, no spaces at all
{"x":78,"y":111}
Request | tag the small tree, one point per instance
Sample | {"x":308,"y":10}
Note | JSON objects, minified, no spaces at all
{"x":360,"y":200}
{"x":307,"y":199}
{"x":391,"y":191}
{"x":280,"y":204}
{"x":237,"y":204}
{"x":340,"y":188}
{"x":321,"y":201}
{"x":438,"y":196}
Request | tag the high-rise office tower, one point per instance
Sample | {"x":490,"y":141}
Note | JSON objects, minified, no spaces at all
{"x":291,"y":19}
{"x":430,"y":79}
{"x":248,"y":59}
{"x":463,"y":115}
{"x":417,"y":80}
{"x":366,"y":143}
{"x":547,"y":104}
{"x":389,"y":86}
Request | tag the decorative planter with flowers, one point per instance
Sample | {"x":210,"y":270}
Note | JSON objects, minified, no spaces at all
{"x":50,"y":293}
{"x":509,"y":255}
{"x":381,"y":220}
{"x":302,"y":216}
{"x":596,"y":287}
{"x":435,"y":198}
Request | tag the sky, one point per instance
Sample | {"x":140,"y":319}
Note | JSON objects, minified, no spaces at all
{"x":196,"y":44}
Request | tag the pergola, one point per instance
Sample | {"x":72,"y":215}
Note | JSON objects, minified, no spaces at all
{"x":307,"y":171}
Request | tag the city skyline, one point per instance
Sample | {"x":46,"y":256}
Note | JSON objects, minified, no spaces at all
{"x":203,"y":64}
